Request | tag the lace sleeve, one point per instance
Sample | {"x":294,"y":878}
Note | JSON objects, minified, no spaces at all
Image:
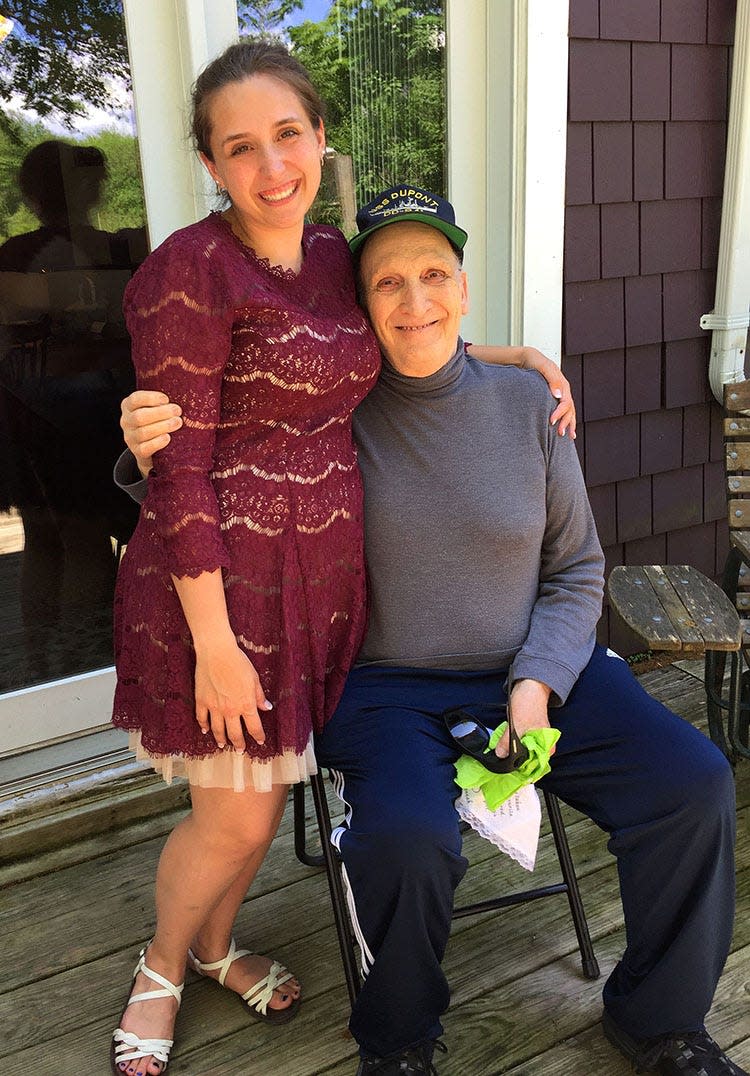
{"x":181,"y":329}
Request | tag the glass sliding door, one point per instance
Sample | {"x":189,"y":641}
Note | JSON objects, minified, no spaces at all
{"x":72,"y":230}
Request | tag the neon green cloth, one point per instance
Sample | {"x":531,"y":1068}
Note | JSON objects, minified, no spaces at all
{"x":498,"y":787}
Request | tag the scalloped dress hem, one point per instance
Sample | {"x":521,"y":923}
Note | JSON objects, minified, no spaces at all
{"x":227,"y":769}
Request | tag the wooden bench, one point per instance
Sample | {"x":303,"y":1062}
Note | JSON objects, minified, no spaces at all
{"x":675,"y":608}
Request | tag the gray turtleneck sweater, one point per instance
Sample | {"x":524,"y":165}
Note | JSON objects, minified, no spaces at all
{"x":481,"y":546}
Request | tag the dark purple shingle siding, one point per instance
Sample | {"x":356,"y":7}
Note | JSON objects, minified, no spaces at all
{"x":694,"y":545}
{"x":661,"y":441}
{"x":634,"y":508}
{"x":699,"y":82}
{"x":634,"y":20}
{"x":603,"y":506}
{"x":717,"y":432}
{"x":643,"y":378}
{"x":613,"y":162}
{"x":696,"y":433}
{"x":684,"y":20}
{"x":714,"y":491}
{"x":583,"y":18}
{"x":620,"y":239}
{"x":582,"y":243}
{"x":685,"y":371}
{"x":612,"y":451}
{"x":687,"y":296}
{"x":651,"y":80}
{"x":710,"y":232}
{"x":648,"y":161}
{"x":721,"y":22}
{"x":603,"y":385}
{"x":649,"y":550}
{"x":599,"y":80}
{"x":694,"y":159}
{"x":594,"y":316}
{"x":646,"y":144}
{"x":670,"y":235}
{"x":643,"y":310}
{"x":678,"y":499}
{"x":579,"y":165}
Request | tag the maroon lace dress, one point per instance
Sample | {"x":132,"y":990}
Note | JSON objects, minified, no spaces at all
{"x":261,"y":482}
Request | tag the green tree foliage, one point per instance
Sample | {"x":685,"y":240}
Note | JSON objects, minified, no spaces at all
{"x":265,"y":18}
{"x":63,"y":57}
{"x":378,"y":65}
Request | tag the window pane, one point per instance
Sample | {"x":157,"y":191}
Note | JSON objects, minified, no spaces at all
{"x":72,"y":229}
{"x":379,"y":66}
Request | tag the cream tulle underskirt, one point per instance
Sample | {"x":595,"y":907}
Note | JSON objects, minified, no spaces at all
{"x":227,"y":769}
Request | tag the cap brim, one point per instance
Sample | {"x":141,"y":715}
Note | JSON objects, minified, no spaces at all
{"x":456,"y":235}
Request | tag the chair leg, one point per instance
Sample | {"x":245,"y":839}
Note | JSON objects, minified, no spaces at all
{"x":335,"y":884}
{"x":589,"y":962}
{"x":300,"y":840}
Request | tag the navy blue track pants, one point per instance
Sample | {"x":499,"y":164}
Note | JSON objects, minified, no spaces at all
{"x":658,"y":787}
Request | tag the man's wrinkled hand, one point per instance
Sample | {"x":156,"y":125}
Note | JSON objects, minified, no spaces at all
{"x":528,"y":703}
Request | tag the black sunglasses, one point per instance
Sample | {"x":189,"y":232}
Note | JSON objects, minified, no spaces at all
{"x":473,"y":737}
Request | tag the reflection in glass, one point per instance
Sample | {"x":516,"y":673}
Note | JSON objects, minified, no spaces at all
{"x":379,"y":66}
{"x":71,"y":234}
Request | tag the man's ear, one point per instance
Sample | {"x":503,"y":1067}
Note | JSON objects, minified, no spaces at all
{"x":464,"y":293}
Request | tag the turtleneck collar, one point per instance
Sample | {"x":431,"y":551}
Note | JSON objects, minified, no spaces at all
{"x":433,"y":383}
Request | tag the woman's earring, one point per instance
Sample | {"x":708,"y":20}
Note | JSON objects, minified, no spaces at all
{"x":220,"y":190}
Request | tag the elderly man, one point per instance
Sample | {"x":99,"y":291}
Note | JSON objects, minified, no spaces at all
{"x":486,"y":583}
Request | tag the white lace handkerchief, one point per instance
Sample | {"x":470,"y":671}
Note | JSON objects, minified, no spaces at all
{"x":513,"y":827}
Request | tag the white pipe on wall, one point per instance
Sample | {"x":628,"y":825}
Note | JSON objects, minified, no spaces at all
{"x":730,"y":317}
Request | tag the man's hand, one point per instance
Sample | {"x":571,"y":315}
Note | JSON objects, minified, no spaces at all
{"x":147,"y":420}
{"x":528,"y":701}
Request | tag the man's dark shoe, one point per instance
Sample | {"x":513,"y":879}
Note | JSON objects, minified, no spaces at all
{"x":416,"y":1061}
{"x":681,"y":1053}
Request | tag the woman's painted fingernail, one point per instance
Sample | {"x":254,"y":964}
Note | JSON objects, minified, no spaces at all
{"x":267,"y":705}
{"x":557,"y":394}
{"x":205,"y":732}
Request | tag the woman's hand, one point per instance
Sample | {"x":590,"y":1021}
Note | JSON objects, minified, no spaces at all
{"x":147,"y":420}
{"x":228,"y":694}
{"x":564,"y":414}
{"x":528,"y":701}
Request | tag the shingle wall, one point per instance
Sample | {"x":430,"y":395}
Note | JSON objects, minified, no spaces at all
{"x":649,"y":82}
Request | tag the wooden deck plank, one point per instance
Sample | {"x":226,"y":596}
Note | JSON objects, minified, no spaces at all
{"x":520,"y":1005}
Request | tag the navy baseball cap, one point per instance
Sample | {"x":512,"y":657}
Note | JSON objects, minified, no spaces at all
{"x":404,"y":202}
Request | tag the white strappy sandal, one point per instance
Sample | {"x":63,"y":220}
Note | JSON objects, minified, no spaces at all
{"x":126,"y":1046}
{"x":256,"y":999}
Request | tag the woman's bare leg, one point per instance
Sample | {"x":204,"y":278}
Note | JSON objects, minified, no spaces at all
{"x":212,"y":941}
{"x":205,"y":856}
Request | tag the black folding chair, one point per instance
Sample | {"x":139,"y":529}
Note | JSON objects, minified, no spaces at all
{"x":330,"y":859}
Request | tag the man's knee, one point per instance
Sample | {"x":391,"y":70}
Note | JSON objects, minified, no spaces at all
{"x":409,"y":844}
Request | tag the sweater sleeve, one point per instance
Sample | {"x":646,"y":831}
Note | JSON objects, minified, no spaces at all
{"x":128,"y":478}
{"x":180,"y":322}
{"x":561,"y":633}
